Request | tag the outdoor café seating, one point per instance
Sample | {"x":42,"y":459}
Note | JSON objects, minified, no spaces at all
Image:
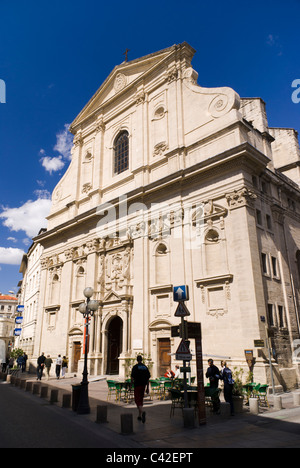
{"x":256,"y":390}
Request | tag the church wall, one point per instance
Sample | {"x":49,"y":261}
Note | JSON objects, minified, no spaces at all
{"x":193,"y":160}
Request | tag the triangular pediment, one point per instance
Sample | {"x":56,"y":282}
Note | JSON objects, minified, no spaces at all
{"x":112,"y":297}
{"x":122,"y":77}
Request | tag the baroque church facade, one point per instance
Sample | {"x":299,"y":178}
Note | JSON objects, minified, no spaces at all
{"x":171,"y":183}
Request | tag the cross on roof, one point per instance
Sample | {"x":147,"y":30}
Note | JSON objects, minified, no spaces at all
{"x":126,"y":54}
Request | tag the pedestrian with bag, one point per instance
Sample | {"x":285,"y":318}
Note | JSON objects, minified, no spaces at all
{"x":140,"y":376}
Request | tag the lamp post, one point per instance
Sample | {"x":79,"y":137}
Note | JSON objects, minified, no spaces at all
{"x":87,"y":310}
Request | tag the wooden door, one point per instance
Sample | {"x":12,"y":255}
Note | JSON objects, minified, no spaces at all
{"x":114,"y":345}
{"x":164,"y":355}
{"x":77,"y":355}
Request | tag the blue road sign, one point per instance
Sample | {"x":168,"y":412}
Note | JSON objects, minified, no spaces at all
{"x":180,"y":293}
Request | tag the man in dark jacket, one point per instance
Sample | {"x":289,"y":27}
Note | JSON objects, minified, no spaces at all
{"x":213,"y":374}
{"x":140,"y":376}
{"x":41,"y":364}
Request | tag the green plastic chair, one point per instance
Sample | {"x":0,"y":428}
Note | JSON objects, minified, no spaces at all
{"x":262,"y":393}
{"x":156,"y":388}
{"x":177,"y":400}
{"x":112,"y":390}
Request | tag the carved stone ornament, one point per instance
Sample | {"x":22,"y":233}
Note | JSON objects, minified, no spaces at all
{"x":78,"y":140}
{"x":140,"y":97}
{"x":160,"y":148}
{"x":99,"y":125}
{"x":223,"y":100}
{"x":172,"y":74}
{"x":241,"y":197}
{"x":87,"y":188}
{"x":120,"y":82}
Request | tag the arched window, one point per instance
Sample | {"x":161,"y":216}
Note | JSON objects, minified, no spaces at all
{"x":121,"y":152}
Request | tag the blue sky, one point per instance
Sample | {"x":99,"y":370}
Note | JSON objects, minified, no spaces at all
{"x":55,"y":55}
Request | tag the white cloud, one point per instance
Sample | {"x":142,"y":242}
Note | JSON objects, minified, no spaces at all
{"x":63,"y":146}
{"x":12,"y":239}
{"x":29,"y":217}
{"x":64,"y":142}
{"x":10,"y":256}
{"x":52,"y":164}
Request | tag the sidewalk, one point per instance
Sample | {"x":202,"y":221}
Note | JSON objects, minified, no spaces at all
{"x":270,"y":429}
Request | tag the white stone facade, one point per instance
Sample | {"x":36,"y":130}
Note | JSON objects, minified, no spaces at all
{"x":29,"y":297}
{"x":171,"y":183}
{"x":8,"y":306}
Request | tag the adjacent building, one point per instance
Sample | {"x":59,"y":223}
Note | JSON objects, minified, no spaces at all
{"x":8,"y":305}
{"x":29,"y":298}
{"x":173,"y":184}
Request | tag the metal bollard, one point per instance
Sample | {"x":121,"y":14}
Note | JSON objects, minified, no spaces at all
{"x":126,"y":424}
{"x":28,"y":387}
{"x":101,"y":414}
{"x":188,"y":417}
{"x":54,"y":396}
{"x":36,"y":389}
{"x":44,"y":392}
{"x":66,"y":400}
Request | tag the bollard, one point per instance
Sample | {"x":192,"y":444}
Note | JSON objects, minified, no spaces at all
{"x":254,"y":405}
{"x":66,"y":400}
{"x":126,"y":424}
{"x":23,"y":384}
{"x":8,"y":378}
{"x":28,"y":387}
{"x":296,"y":397}
{"x":54,"y":396}
{"x":277,"y":403}
{"x":36,"y":389}
{"x":225,"y":410}
{"x":44,"y":392}
{"x":101,"y":414}
{"x":188,"y":417}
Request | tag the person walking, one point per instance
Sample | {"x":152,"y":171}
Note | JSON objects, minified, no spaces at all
{"x":20,"y":362}
{"x":40,"y":366}
{"x":48,"y":363}
{"x":213,"y":374}
{"x":64,"y":367}
{"x":226,"y":376}
{"x":58,"y":366}
{"x":25,"y":358}
{"x":140,"y":376}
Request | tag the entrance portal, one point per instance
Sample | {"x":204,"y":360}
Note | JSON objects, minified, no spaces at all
{"x":76,"y":355}
{"x":164,"y":358}
{"x":114,"y":345}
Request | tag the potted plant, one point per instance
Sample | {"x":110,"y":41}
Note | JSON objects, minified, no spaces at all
{"x":237,"y":392}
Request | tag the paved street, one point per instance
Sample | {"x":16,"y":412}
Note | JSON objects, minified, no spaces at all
{"x":30,"y":421}
{"x":27,"y":421}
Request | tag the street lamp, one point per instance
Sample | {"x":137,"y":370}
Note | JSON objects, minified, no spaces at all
{"x":87,"y":310}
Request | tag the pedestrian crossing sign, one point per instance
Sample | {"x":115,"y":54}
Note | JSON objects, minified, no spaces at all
{"x":183,"y":353}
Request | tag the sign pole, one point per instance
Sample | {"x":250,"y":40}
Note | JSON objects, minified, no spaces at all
{"x":186,"y":403}
{"x":200,"y":379}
